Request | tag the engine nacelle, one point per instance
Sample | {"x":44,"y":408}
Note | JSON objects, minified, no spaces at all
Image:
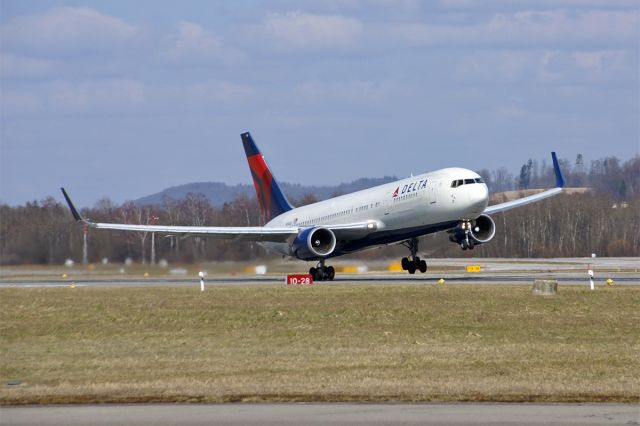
{"x":481,"y":230}
{"x":314,"y":243}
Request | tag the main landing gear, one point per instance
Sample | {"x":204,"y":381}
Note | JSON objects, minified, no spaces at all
{"x":413,"y":263}
{"x":322,"y":273}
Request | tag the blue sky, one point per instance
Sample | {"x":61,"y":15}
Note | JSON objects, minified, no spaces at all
{"x":122,"y":99}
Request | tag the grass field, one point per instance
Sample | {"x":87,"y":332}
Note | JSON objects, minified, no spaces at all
{"x":319,"y":343}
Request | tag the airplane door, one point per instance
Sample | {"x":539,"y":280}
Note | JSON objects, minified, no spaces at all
{"x":433,"y":191}
{"x":386,"y":205}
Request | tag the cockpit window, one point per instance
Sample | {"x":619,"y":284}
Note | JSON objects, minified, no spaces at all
{"x":460,"y":182}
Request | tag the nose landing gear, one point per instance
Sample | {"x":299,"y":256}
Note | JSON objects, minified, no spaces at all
{"x":322,"y":273}
{"x":467,"y":243}
{"x":413,"y":263}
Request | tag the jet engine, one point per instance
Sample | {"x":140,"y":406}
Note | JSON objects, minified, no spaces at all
{"x":471,"y":233}
{"x":313,"y":243}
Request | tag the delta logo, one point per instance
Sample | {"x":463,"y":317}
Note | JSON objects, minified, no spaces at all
{"x":412,"y":187}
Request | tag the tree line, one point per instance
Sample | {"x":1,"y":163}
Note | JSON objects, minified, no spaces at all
{"x":603,"y":220}
{"x":620,"y":180}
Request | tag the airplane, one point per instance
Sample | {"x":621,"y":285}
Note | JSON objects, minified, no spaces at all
{"x":454,"y":200}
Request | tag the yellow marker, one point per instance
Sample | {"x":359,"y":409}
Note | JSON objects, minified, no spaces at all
{"x":473,"y":268}
{"x":73,"y":285}
{"x":609,"y":282}
{"x":441,"y":281}
{"x":64,"y":275}
{"x":146,"y":274}
{"x":395,"y":267}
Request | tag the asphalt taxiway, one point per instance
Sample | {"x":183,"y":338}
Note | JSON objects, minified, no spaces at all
{"x":323,"y":414}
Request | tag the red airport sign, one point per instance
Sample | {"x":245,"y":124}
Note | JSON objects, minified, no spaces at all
{"x":299,"y":279}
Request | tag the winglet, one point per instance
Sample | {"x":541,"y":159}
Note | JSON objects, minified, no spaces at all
{"x":73,"y":209}
{"x":558,"y":173}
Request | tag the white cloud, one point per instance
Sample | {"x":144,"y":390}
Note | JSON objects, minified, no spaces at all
{"x":217,"y":91}
{"x":300,"y":30}
{"x":528,"y":28}
{"x":90,"y":96}
{"x":21,"y":66}
{"x":544,"y":4}
{"x":66,"y":29}
{"x":192,"y":44}
{"x":547,"y":66}
{"x":603,"y":61}
{"x":500,"y":66}
{"x":354,"y":91}
{"x":15,"y":102}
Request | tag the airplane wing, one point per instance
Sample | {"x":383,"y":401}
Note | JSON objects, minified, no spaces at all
{"x":532,"y":198}
{"x":253,"y":233}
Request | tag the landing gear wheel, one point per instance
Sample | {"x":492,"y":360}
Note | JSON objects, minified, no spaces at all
{"x":413,"y":263}
{"x":322,"y":273}
{"x":405,"y":263}
{"x":331,"y":273}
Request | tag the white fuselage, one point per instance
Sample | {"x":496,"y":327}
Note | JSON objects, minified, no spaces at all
{"x":413,"y":206}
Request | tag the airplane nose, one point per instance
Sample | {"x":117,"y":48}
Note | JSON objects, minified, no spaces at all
{"x":479,"y":197}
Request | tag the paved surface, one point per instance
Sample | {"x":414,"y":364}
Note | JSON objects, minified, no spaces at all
{"x":567,"y":278}
{"x":568,"y":271}
{"x":322,"y":414}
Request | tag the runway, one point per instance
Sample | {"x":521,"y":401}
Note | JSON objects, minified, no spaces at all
{"x":364,"y":279}
{"x":322,"y":414}
{"x":567,"y":271}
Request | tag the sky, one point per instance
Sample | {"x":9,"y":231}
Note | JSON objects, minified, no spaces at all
{"x":122,"y":99}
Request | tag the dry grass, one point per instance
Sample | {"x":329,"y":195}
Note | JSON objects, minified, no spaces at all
{"x":320,"y":343}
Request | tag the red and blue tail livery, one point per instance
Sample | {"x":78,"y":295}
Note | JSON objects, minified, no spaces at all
{"x":272,"y":200}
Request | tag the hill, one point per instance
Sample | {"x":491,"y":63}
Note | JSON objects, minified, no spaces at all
{"x":219,"y":193}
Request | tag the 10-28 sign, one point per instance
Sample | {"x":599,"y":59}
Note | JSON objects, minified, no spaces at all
{"x":299,"y":279}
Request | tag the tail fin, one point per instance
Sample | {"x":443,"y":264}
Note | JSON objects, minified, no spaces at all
{"x":272,"y":200}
